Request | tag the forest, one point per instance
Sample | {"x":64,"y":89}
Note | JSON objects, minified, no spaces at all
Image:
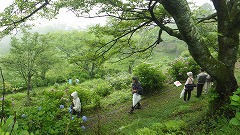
{"x":159,"y":41}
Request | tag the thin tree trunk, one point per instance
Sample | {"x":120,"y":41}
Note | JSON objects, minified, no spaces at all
{"x":3,"y":95}
{"x":28,"y":88}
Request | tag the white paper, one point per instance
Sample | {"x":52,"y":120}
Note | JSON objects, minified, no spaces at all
{"x":177,"y":83}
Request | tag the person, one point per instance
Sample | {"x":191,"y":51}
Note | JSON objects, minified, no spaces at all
{"x":209,"y":83}
{"x":187,"y":93}
{"x":137,"y":91}
{"x":77,"y":80}
{"x":201,"y":79}
{"x":76,"y":104}
{"x":70,"y":81}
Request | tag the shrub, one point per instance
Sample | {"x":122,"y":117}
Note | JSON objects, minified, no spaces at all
{"x":146,"y":131}
{"x":120,"y":81}
{"x":8,"y":104}
{"x":151,"y":78}
{"x":50,"y":115}
{"x":178,"y":68}
{"x":89,"y":98}
{"x":10,"y":126}
{"x":100,"y":86}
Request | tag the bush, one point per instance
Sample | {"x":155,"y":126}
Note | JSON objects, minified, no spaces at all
{"x":100,"y":86}
{"x":50,"y":115}
{"x":151,"y":78}
{"x":179,"y":68}
{"x":89,"y":98}
{"x":8,"y":106}
{"x":120,"y":81}
{"x":146,"y":131}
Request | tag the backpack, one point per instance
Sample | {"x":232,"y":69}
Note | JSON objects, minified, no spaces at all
{"x":140,"y":90}
{"x":202,"y":79}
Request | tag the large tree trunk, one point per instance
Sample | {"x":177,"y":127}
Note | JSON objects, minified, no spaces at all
{"x":221,"y":68}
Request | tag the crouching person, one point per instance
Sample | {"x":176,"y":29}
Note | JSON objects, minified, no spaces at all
{"x":76,"y":104}
{"x":137,"y":91}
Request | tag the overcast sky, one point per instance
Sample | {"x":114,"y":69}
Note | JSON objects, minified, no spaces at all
{"x":68,"y":18}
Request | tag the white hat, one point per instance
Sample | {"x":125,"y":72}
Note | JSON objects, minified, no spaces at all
{"x":189,"y":73}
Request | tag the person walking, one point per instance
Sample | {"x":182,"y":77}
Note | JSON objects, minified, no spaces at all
{"x":201,"y":79}
{"x":187,"y":87}
{"x":137,"y":91}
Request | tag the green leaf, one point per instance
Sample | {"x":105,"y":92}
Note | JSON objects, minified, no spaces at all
{"x":15,"y":126}
{"x":235,"y":103}
{"x":8,"y":124}
{"x":235,"y":97}
{"x":237,"y":92}
{"x":24,"y":132}
{"x":234,"y":121}
{"x":237,"y":115}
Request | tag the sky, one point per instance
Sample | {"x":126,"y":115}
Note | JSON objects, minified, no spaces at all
{"x":68,"y":18}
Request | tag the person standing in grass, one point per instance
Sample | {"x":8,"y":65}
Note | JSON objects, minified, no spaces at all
{"x":187,"y":93}
{"x":201,"y":81}
{"x":137,"y":91}
{"x":70,"y":81}
{"x":209,"y":83}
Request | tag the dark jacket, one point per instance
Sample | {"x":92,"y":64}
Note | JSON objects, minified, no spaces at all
{"x":138,"y":87}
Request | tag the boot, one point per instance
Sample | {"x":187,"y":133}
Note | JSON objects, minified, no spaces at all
{"x":131,"y":111}
{"x":138,"y":106}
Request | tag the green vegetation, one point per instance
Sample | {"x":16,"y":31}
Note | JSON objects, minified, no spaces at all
{"x":162,"y":113}
{"x":134,"y":42}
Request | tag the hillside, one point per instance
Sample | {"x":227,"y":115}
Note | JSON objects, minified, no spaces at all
{"x":162,"y":113}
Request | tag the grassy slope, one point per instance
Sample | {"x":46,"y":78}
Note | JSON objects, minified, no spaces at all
{"x":157,"y":108}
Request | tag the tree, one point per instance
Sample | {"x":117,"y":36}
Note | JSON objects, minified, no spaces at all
{"x":222,"y":67}
{"x":29,"y":56}
{"x":83,"y":48}
{"x":132,"y":15}
{"x":17,"y":14}
{"x":161,"y":12}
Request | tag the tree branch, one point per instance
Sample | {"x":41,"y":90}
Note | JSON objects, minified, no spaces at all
{"x":116,"y":39}
{"x":212,"y":16}
{"x":169,"y":30}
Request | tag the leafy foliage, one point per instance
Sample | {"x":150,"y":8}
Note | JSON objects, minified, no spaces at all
{"x":119,"y":81}
{"x":151,"y":78}
{"x":99,"y":86}
{"x":235,"y":102}
{"x":29,"y":56}
{"x":178,"y":68}
{"x":11,"y":127}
